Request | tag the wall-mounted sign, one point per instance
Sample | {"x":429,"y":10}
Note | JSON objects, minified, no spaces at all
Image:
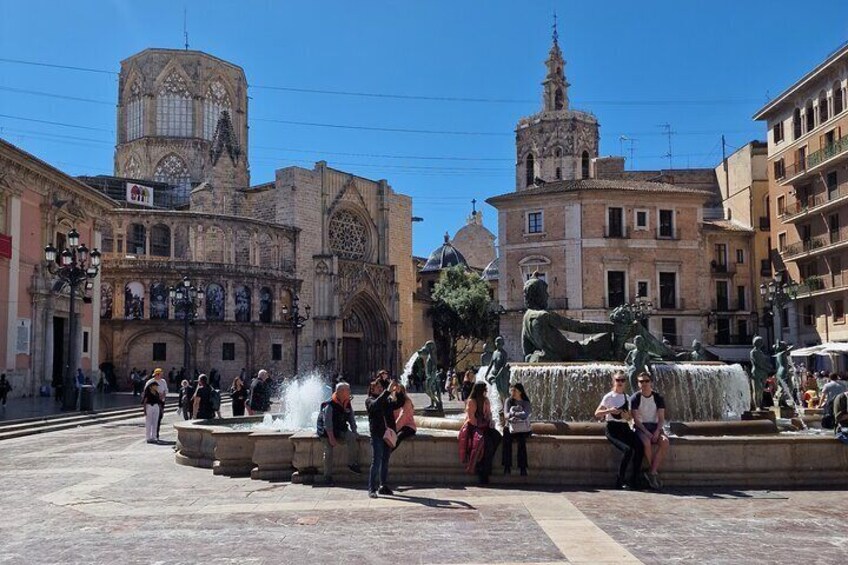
{"x":23,"y":337}
{"x":139,"y":194}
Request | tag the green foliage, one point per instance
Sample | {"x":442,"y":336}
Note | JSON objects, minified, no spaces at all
{"x":462,"y":312}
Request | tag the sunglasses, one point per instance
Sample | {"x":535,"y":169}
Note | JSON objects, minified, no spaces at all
{"x":643,"y":381}
{"x":621,"y":380}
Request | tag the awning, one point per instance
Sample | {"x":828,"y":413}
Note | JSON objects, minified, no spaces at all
{"x":825,"y":349}
{"x":737,"y":354}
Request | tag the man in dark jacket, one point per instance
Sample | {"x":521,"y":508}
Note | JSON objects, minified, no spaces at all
{"x":337,"y":425}
{"x":260,"y":394}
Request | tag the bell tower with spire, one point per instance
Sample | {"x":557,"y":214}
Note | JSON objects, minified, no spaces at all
{"x":557,"y":143}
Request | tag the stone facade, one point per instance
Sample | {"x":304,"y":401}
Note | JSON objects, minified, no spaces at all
{"x":38,"y":205}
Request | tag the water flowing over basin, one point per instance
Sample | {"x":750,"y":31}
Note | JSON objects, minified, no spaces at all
{"x":692,"y":391}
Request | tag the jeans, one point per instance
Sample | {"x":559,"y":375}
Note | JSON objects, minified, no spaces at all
{"x":521,"y":439}
{"x":380,"y":453}
{"x":492,"y":440}
{"x":349,"y":440}
{"x":625,"y":440}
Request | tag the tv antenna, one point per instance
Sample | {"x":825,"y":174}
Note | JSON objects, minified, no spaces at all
{"x":667,"y":131}
{"x":185,"y":27}
{"x":631,"y":141}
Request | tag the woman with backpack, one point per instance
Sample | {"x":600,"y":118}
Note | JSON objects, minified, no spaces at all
{"x":615,"y":410}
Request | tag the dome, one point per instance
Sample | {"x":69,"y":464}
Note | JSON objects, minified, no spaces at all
{"x":491,"y":273}
{"x":444,"y":257}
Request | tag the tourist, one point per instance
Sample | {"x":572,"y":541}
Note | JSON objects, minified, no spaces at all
{"x":203,"y":408}
{"x":5,"y":388}
{"x":259,"y":399}
{"x":840,"y":413}
{"x":185,"y":400}
{"x":404,"y":415}
{"x":162,"y":387}
{"x":239,"y":396}
{"x":478,"y":439}
{"x":336,"y":424}
{"x":467,"y":385}
{"x":516,"y":412}
{"x":648,"y":409}
{"x":135,"y":381}
{"x":833,"y":388}
{"x":152,"y":406}
{"x":381,"y":424}
{"x":172,"y":376}
{"x":615,"y":410}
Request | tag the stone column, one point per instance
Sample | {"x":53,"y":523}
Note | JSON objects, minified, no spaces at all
{"x":171,"y":226}
{"x":147,"y":238}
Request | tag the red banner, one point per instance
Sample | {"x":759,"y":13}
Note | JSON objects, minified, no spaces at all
{"x":6,"y":246}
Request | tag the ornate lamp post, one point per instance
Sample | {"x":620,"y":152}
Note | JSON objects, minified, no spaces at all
{"x":776,"y":294}
{"x":641,"y":310}
{"x":186,"y":299}
{"x":76,"y":266}
{"x":296,"y":320}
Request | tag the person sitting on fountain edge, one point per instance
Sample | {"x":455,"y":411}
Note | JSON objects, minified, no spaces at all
{"x":336,"y":424}
{"x":404,"y":415}
{"x":840,"y":414}
{"x":615,"y":410}
{"x":648,"y":418}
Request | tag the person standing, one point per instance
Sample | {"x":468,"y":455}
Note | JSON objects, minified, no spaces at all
{"x":152,"y":407}
{"x":5,"y":388}
{"x":478,"y":439}
{"x":380,"y":407}
{"x":239,"y":396}
{"x":185,"y":402}
{"x":516,"y":411}
{"x":649,"y":418}
{"x":615,"y":410}
{"x":337,"y":425}
{"x":203,"y":407}
{"x":162,"y":388}
{"x":259,"y":400}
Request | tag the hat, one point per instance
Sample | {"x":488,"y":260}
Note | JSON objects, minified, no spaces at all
{"x":157,"y":371}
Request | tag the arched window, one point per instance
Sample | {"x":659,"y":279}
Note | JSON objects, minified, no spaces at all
{"x":134,"y":113}
{"x":558,"y":152}
{"x":823,"y":109}
{"x":173,"y":108}
{"x":796,"y":123}
{"x":136,"y":235}
{"x":837,"y":98}
{"x":158,"y":301}
{"x":558,"y":99}
{"x":134,"y":301}
{"x":217,"y":100}
{"x":160,"y":241}
{"x":538,"y":264}
{"x":174,"y":171}
{"x":267,"y":252}
{"x":558,"y":173}
{"x":584,"y":165}
{"x":811,"y":117}
{"x":319,"y":357}
{"x":214,"y":298}
{"x":529,"y":170}
{"x":242,"y":296}
{"x":266,"y":305}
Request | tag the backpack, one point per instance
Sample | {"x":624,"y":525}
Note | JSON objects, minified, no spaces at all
{"x":215,"y":399}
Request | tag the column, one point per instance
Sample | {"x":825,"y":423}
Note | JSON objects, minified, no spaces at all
{"x":14,"y":283}
{"x":173,"y":237}
{"x":147,"y":238}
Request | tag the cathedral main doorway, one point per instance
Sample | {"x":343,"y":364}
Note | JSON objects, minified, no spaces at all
{"x":365,"y":341}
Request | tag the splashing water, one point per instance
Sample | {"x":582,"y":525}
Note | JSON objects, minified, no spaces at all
{"x":493,"y":396}
{"x":407,"y":370}
{"x":692,"y":392}
{"x":299,"y":401}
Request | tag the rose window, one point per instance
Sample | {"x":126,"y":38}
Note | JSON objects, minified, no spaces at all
{"x":348,"y":236}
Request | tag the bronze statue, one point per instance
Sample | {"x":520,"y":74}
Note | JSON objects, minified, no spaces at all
{"x":781,"y":375}
{"x":499,"y":369}
{"x":761,"y":368}
{"x":638,"y":361}
{"x":431,"y":379}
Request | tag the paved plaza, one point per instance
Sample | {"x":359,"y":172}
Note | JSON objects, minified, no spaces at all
{"x":100,"y":494}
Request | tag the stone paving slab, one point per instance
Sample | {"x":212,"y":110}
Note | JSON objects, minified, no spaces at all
{"x":102,"y":495}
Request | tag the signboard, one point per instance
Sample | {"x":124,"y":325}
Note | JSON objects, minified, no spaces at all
{"x":22,"y":341}
{"x":139,"y":194}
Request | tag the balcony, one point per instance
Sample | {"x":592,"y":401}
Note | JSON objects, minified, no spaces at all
{"x":765,"y":223}
{"x":804,"y":167}
{"x":667,"y":233}
{"x":816,"y":245}
{"x":728,"y":306}
{"x":722,"y":268}
{"x":798,"y":209}
{"x":822,"y":284}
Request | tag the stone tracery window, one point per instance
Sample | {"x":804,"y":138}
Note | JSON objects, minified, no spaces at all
{"x":174,"y":108}
{"x":131,"y":168}
{"x":348,"y":236}
{"x":135,"y":113}
{"x":174,"y":171}
{"x":217,"y":100}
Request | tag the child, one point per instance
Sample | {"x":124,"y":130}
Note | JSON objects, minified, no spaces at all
{"x":151,"y":402}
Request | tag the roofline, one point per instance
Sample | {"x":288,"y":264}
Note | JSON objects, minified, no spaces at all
{"x":192,"y":51}
{"x":763,"y":112}
{"x":509,"y":196}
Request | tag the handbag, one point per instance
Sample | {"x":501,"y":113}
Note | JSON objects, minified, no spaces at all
{"x":390,"y":437}
{"x":519,"y":426}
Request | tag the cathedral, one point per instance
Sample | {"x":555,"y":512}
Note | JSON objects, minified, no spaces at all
{"x":330,"y":245}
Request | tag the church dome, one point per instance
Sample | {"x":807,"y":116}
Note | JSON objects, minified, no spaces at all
{"x":444,"y":257}
{"x":491,"y":272}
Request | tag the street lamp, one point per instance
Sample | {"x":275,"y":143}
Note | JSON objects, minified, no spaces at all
{"x":294,"y":318}
{"x":186,"y":299}
{"x":776,"y":294}
{"x":640,"y":310}
{"x":76,"y":266}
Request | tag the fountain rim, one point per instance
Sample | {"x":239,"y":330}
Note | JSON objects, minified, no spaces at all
{"x":616,"y":363}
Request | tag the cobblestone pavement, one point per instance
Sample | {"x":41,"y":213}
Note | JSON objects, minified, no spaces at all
{"x":100,"y":494}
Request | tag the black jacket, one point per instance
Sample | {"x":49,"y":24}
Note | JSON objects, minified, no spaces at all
{"x":380,"y":414}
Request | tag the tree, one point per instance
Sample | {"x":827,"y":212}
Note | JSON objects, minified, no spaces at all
{"x":462,"y":314}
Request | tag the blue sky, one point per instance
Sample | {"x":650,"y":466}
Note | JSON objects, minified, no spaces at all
{"x":702,"y":67}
